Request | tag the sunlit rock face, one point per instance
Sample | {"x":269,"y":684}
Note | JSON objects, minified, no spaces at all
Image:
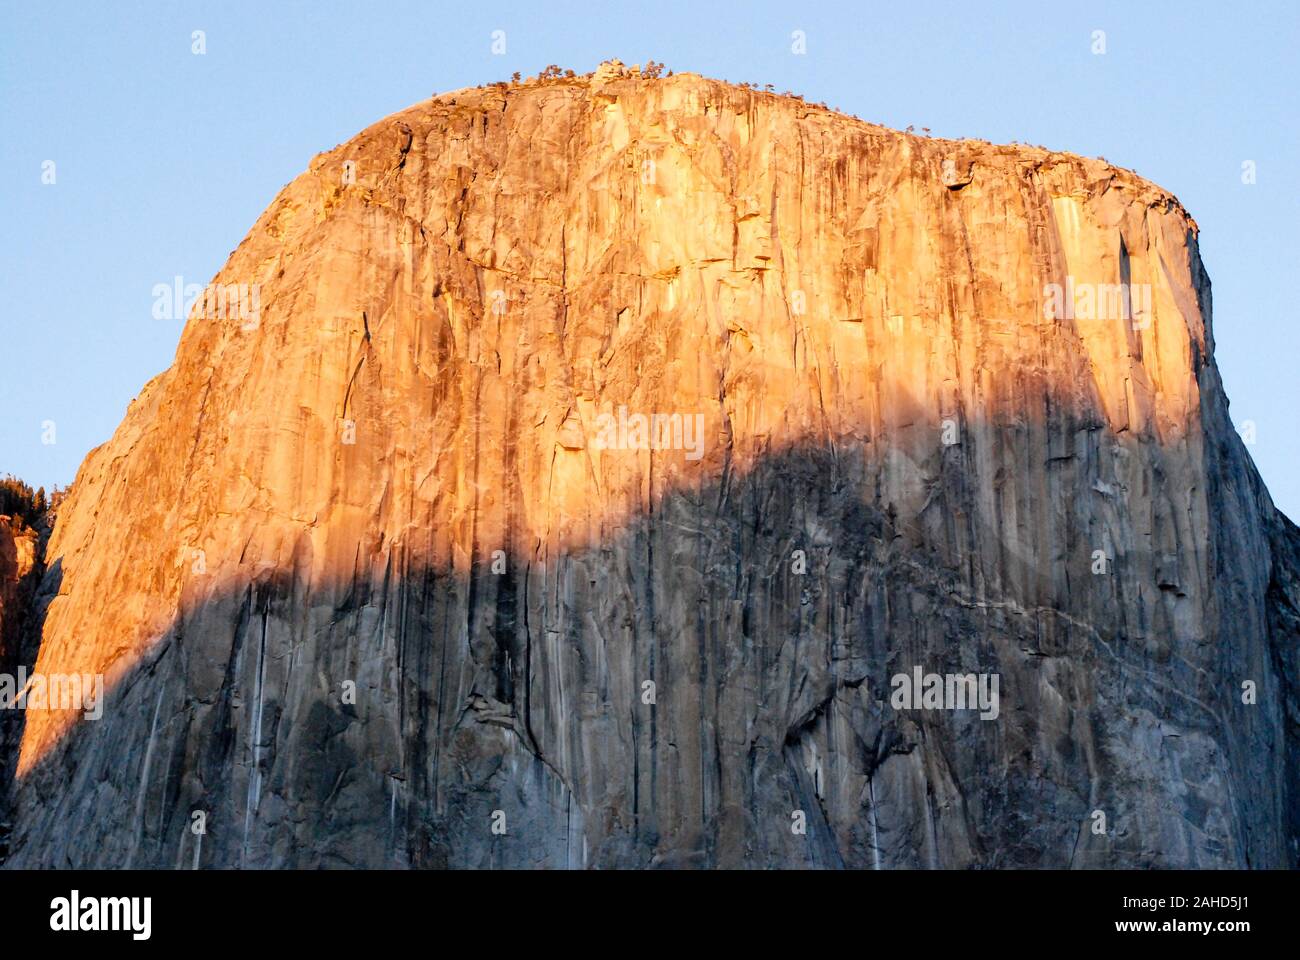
{"x":598,"y":453}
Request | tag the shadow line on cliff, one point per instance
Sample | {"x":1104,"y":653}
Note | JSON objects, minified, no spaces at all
{"x":520,"y":692}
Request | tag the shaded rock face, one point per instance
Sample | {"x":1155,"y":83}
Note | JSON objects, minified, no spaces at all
{"x":387,"y":574}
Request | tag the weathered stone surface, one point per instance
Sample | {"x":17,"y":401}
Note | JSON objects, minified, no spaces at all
{"x":18,"y":548}
{"x":21,"y":569}
{"x":392,"y":481}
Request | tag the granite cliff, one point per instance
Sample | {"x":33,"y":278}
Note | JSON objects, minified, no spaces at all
{"x":388,"y":571}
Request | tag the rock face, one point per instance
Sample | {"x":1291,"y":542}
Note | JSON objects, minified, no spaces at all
{"x":385,"y":573}
{"x":18,"y":560}
{"x":21,"y":567}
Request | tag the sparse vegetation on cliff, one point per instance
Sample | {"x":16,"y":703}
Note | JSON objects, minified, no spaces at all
{"x":28,"y":507}
{"x":20,"y":501}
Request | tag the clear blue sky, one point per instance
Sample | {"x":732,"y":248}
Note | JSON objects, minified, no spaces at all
{"x":164,"y":159}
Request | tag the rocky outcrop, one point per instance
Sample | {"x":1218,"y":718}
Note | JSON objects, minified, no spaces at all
{"x":21,"y":568}
{"x":387,"y":572}
{"x":18,"y":559}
